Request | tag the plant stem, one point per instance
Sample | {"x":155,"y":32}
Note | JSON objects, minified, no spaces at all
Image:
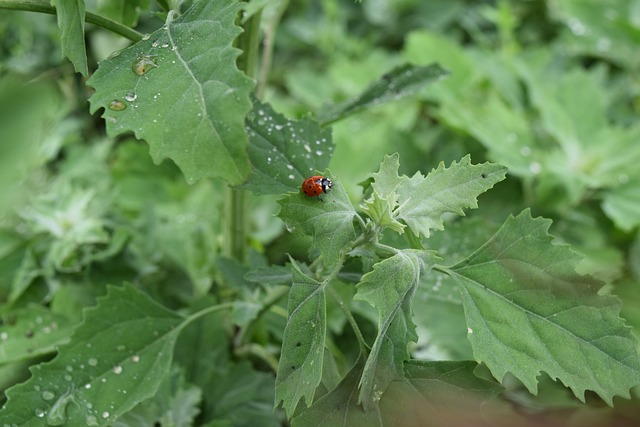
{"x":236,"y":203}
{"x":92,"y":18}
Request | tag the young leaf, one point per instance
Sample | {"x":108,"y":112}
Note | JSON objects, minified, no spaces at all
{"x":381,"y":206}
{"x":400,"y":82}
{"x":125,"y":344}
{"x":423,"y":200}
{"x":71,"y":22}
{"x":284,"y":152}
{"x":390,"y":288}
{"x":300,"y":366}
{"x":181,"y":91}
{"x":329,"y":221}
{"x":528,"y":311}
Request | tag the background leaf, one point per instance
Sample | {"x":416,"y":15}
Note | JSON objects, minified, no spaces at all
{"x":434,"y":394}
{"x":188,"y":103}
{"x":423,"y":200}
{"x":284,"y":152}
{"x":390,"y":288}
{"x":116,"y":358}
{"x":528,"y":311}
{"x":71,"y":22}
{"x":300,"y":366}
{"x":402,"y":81}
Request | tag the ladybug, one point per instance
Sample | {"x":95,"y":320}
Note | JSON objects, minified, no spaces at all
{"x":316,"y":185}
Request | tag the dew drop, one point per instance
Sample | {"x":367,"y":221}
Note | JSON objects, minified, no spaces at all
{"x":48,"y":395}
{"x":38,"y":413}
{"x":92,"y":361}
{"x":87,"y":386}
{"x":105,"y":414}
{"x":130,"y":96}
{"x":68,"y":377}
{"x":4,"y":336}
{"x":57,"y":415}
{"x":91,"y":421}
{"x":469,"y":330}
{"x":143,"y":64}
{"x":114,"y":54}
{"x":146,"y":36}
{"x":117,"y":105}
{"x":117,"y":370}
{"x":135,"y":358}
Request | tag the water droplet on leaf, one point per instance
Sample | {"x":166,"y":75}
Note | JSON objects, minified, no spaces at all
{"x":57,"y":415}
{"x":130,"y":96}
{"x":48,"y":395}
{"x":143,"y":64}
{"x":117,"y":105}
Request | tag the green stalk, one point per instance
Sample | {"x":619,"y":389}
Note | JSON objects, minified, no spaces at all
{"x":92,"y":18}
{"x":236,"y":201}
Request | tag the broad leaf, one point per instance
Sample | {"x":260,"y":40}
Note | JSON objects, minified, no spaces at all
{"x":116,"y":358}
{"x":71,"y":22}
{"x":180,"y":90}
{"x":423,"y":200}
{"x":434,"y":394}
{"x":284,"y":152}
{"x":300,"y":366}
{"x":528,"y":311}
{"x":390,"y":288}
{"x":398,"y":83}
{"x":30,"y":332}
{"x":329,"y":221}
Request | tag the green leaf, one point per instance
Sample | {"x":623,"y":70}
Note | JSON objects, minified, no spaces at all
{"x":300,"y":366}
{"x":601,"y":29}
{"x":329,"y":221}
{"x":622,"y":205}
{"x":30,"y":332}
{"x":423,"y":200}
{"x":390,"y":288}
{"x":116,"y":358}
{"x":181,"y":91}
{"x":284,"y":152}
{"x":504,"y":131}
{"x":242,"y":396}
{"x":71,"y":22}
{"x":381,"y":205}
{"x":176,"y":404}
{"x":402,"y":81}
{"x":124,"y":11}
{"x":434,"y":394}
{"x":528,"y":311}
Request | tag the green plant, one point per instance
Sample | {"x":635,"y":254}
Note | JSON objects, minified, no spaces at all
{"x":187,"y":315}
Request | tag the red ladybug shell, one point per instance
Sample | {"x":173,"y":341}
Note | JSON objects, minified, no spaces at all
{"x":316,"y":185}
